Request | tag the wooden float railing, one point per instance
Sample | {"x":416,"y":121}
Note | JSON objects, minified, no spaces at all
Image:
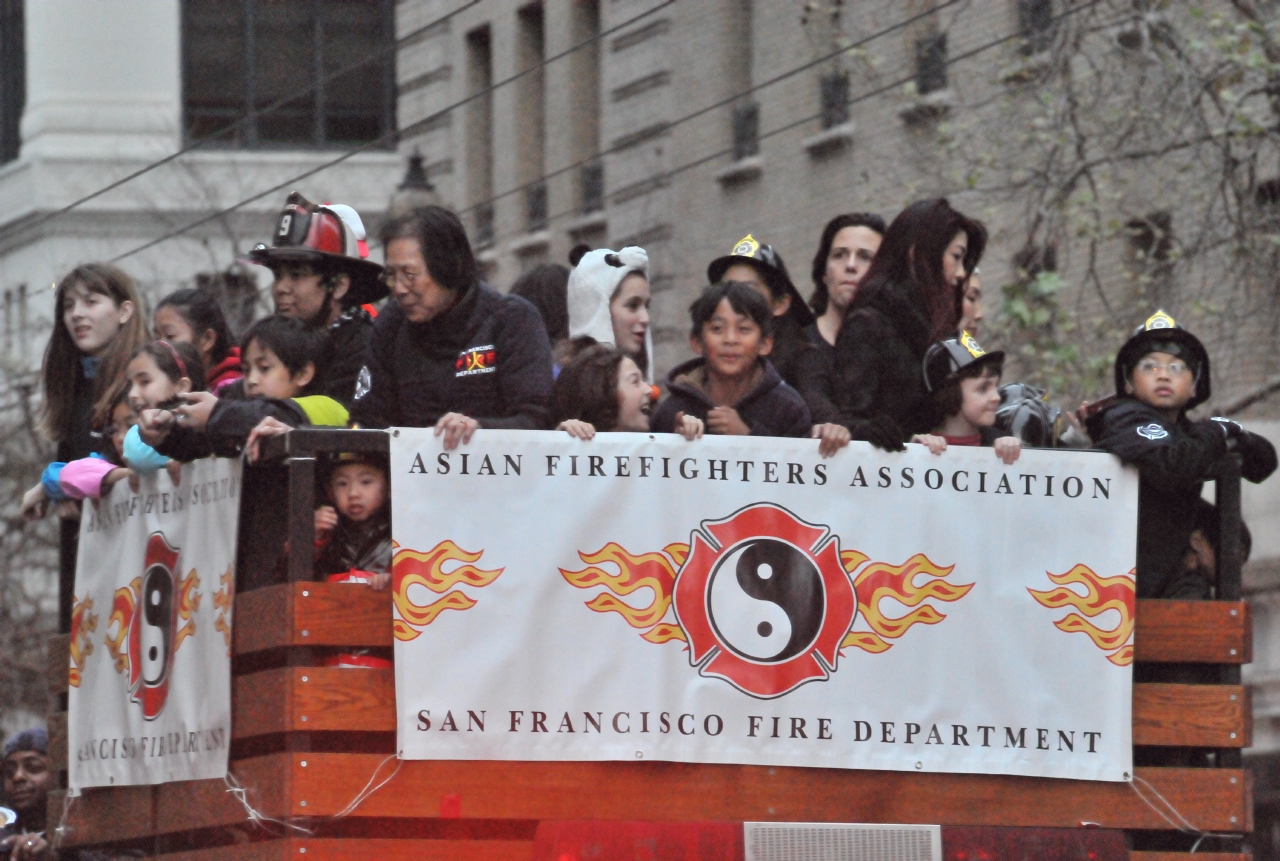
{"x":306,"y":739}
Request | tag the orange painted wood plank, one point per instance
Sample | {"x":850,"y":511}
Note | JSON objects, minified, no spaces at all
{"x":313,"y":699}
{"x":312,"y":614}
{"x":340,"y":614}
{"x":332,"y":849}
{"x":1192,"y":715}
{"x":105,"y":814}
{"x":1217,"y":799}
{"x":1198,"y":632}
{"x":320,"y":699}
{"x":1187,"y":856}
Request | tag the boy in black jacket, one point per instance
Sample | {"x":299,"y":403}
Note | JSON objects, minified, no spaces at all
{"x":1161,"y":372}
{"x":733,"y":388}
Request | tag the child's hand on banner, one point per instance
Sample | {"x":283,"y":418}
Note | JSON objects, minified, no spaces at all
{"x":1008,"y":448}
{"x":689,"y":427}
{"x":577,"y":429}
{"x":933,"y":442}
{"x":832,"y":437}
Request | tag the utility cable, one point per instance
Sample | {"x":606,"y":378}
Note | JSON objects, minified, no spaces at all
{"x":422,"y":123}
{"x":22,"y":229}
{"x":725,"y":101}
{"x":661,"y":178}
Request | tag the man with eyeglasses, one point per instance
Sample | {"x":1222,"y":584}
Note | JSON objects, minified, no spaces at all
{"x":1161,"y":373}
{"x":322,"y":277}
{"x":449,"y":351}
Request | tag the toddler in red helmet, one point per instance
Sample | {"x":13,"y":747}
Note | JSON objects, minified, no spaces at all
{"x":1161,"y":373}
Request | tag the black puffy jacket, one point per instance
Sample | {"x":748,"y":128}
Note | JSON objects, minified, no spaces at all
{"x":348,"y":344}
{"x":771,"y":408}
{"x":1174,"y":459}
{"x":487,"y":358}
{"x":877,"y":365}
{"x":365,"y":546}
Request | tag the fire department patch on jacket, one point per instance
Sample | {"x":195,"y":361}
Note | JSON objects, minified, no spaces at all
{"x":1152,"y":431}
{"x":476,"y":360}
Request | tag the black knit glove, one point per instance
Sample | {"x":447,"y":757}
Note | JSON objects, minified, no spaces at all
{"x":881,"y":431}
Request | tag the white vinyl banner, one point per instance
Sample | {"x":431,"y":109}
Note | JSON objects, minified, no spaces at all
{"x":150,"y":675}
{"x":743,"y":600}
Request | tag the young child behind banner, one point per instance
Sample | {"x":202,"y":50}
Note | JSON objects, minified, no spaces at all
{"x":732,"y":387}
{"x":353,"y":535}
{"x":963,"y":382}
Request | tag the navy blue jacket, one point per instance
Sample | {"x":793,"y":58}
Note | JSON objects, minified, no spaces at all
{"x":771,"y":408}
{"x":488,"y":358}
{"x":1174,"y":459}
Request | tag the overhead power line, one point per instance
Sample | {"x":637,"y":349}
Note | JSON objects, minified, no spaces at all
{"x":987,"y":46}
{"x":422,"y":123}
{"x":720,"y":104}
{"x":24,"y":228}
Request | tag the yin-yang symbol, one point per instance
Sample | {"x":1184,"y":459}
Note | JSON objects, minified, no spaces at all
{"x":157,"y":623}
{"x":766,"y":600}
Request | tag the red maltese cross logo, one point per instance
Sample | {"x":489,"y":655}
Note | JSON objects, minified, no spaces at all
{"x":764,"y":600}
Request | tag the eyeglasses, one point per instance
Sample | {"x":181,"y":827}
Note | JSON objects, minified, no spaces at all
{"x":1174,"y":368}
{"x":407,"y":277}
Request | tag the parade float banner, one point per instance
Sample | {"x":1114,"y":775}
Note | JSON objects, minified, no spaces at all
{"x":150,"y":675}
{"x":743,"y":600}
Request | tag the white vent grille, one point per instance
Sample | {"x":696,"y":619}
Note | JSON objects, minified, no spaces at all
{"x":822,"y":841}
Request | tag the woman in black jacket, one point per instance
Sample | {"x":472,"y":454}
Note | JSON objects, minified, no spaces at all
{"x":907,"y":301}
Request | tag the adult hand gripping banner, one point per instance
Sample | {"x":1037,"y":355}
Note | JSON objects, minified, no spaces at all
{"x":150,"y":674}
{"x":742,"y":600}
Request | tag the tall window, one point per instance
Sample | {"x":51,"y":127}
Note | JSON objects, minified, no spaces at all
{"x":480,"y":132}
{"x":530,"y":123}
{"x":585,"y":103}
{"x":242,"y":55}
{"x":13,"y":77}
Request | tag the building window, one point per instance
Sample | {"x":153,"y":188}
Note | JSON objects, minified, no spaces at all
{"x":242,"y":56}
{"x":530,"y":117}
{"x":479,"y":120}
{"x":931,"y":64}
{"x":834,"y":89}
{"x":13,"y":77}
{"x":746,"y":130}
{"x":1035,"y":23}
{"x":591,"y":181}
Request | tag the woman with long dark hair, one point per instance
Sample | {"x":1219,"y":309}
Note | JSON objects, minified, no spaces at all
{"x":908,"y":300}
{"x":100,"y":326}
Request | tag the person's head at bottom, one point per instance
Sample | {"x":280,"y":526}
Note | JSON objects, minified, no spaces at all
{"x":27,"y":781}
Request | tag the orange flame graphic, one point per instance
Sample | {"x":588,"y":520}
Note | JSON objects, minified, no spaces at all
{"x":410,"y":567}
{"x":879,"y":580}
{"x":656,"y":571}
{"x":82,"y":624}
{"x":123,"y":605}
{"x":1101,"y":594}
{"x":222,"y":601}
{"x":188,"y":603}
